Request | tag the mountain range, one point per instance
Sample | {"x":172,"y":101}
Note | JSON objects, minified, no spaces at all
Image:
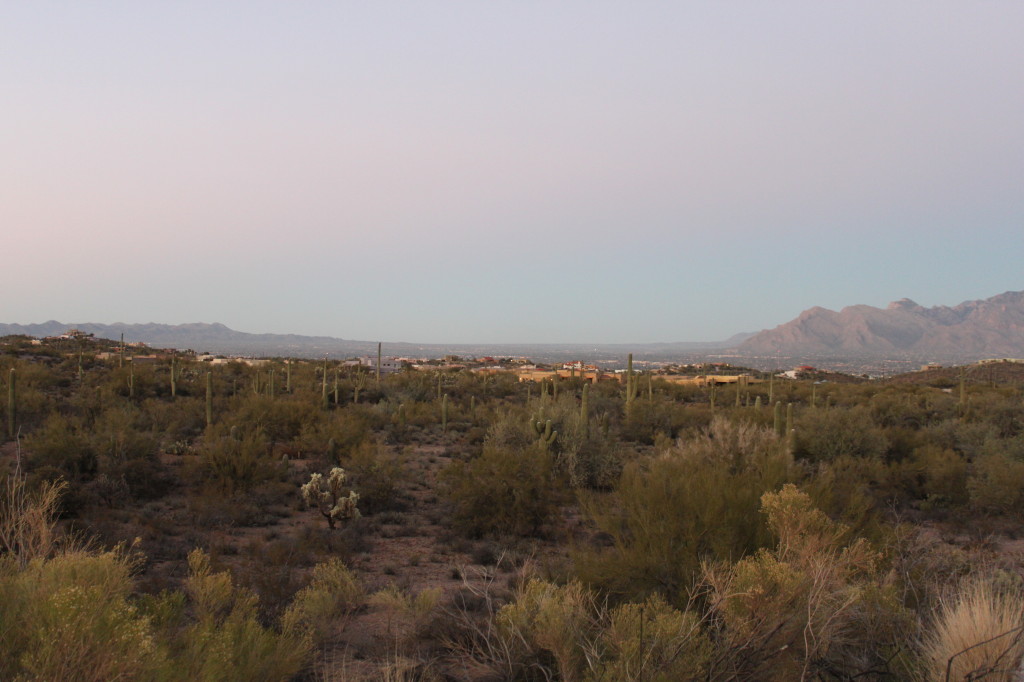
{"x":970,"y":331}
{"x":989,"y":328}
{"x":218,"y":338}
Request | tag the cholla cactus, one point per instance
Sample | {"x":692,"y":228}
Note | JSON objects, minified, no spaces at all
{"x":328,"y":499}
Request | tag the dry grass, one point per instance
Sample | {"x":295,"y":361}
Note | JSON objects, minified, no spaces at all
{"x":27,"y":520}
{"x":977,"y":634}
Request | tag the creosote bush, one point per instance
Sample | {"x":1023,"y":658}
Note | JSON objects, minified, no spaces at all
{"x":503,"y":491}
{"x":698,"y":500}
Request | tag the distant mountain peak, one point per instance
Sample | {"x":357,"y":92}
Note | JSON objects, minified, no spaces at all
{"x":903,"y":304}
{"x":988,"y":328}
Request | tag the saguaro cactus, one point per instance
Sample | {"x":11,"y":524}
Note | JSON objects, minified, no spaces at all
{"x":777,"y":418}
{"x":209,"y":399}
{"x":585,"y":411}
{"x":789,"y":420}
{"x":631,"y":384}
{"x":378,"y":362}
{"x":131,"y":378}
{"x":545,"y":436}
{"x":323,"y":387}
{"x":174,"y":379}
{"x":444,"y":413}
{"x":12,"y":404}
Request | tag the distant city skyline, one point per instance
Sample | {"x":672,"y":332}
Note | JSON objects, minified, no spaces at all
{"x":506,"y":172}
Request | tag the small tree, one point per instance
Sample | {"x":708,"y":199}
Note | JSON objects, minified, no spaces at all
{"x":328,"y":496}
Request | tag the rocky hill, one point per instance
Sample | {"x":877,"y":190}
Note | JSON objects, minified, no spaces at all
{"x":988,"y":328}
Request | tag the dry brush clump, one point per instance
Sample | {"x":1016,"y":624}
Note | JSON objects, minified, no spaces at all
{"x":977,"y":633}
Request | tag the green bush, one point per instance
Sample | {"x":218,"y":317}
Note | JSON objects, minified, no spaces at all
{"x":996,"y":484}
{"x":817,"y":604}
{"x":697,"y":502}
{"x":502,"y":491}
{"x":823,"y":435}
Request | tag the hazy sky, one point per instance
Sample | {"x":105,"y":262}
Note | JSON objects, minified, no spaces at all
{"x":506,"y":171}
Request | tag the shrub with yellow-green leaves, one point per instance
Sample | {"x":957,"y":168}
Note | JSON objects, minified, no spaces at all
{"x":227,"y":641}
{"x":698,"y":501}
{"x":567,"y":633}
{"x":818,"y":602}
{"x":325,"y":604}
{"x":69,"y":617}
{"x":68,"y":613}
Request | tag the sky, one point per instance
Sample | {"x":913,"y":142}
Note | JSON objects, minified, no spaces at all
{"x":516,"y":172}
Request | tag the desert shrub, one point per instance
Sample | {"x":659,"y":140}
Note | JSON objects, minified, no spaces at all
{"x":565,"y":632}
{"x":68,"y":617}
{"x":335,"y":436}
{"x":226,"y":642}
{"x":552,"y":621}
{"x":941,"y":476}
{"x":64,"y":614}
{"x":175,"y":420}
{"x":377,"y":473}
{"x":510,"y":428}
{"x":976,"y":634}
{"x":236,"y":463}
{"x":65,"y":444}
{"x":408,"y":614}
{"x":823,"y":435}
{"x":697,"y":502}
{"x":117,"y":437}
{"x":966,"y":438}
{"x":591,"y":461}
{"x":502,"y":491}
{"x":817,"y":603}
{"x":279,"y":419}
{"x":646,"y":419}
{"x":855,"y":490}
{"x":324,"y":604}
{"x":653,"y":641}
{"x":996,"y":484}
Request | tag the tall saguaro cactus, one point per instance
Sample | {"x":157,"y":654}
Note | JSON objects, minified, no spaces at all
{"x":444,"y":413}
{"x":12,"y":404}
{"x":323,"y":386}
{"x":789,"y":421}
{"x":209,"y":399}
{"x":174,"y":379}
{"x":585,"y":411}
{"x":631,"y":384}
{"x":378,"y":362}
